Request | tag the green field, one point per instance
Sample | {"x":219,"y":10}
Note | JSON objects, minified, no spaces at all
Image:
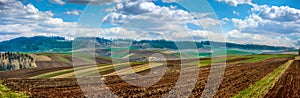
{"x":229,"y":52}
{"x":6,"y":93}
{"x":260,"y":57}
{"x":61,"y":58}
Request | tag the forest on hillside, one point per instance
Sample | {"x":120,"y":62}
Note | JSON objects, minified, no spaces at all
{"x":60,"y":44}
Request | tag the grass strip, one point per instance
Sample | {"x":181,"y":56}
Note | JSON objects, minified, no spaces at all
{"x":60,"y":72}
{"x":260,"y":88}
{"x":62,"y":59}
{"x":216,"y":60}
{"x":107,"y":69}
{"x":6,"y":93}
{"x":261,"y":57}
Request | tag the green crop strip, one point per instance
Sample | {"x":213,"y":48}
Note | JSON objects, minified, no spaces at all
{"x":6,"y":93}
{"x":60,"y":72}
{"x":62,"y":59}
{"x":258,"y":58}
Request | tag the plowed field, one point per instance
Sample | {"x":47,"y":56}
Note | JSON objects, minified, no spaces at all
{"x":237,"y":77}
{"x":288,"y":86}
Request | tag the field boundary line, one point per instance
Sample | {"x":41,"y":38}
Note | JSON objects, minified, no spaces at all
{"x":135,"y":69}
{"x":66,"y":75}
{"x":261,"y":87}
{"x":59,"y":71}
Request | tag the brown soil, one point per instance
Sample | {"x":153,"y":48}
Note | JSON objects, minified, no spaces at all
{"x":40,"y":57}
{"x":237,"y":78}
{"x":44,"y":67}
{"x":26,"y":73}
{"x":103,"y":61}
{"x":99,"y":60}
{"x":55,"y":62}
{"x":50,"y":88}
{"x":288,"y":86}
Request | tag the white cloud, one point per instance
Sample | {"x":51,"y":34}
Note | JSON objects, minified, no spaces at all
{"x":95,"y":2}
{"x":148,"y":22}
{"x":60,"y":2}
{"x":119,"y":33}
{"x":27,"y":20}
{"x":204,"y":20}
{"x":235,"y":2}
{"x":273,"y":23}
{"x":251,"y":21}
{"x":279,"y":13}
{"x":168,"y":22}
{"x":274,"y":19}
{"x":267,"y":25}
{"x":261,"y":39}
{"x":144,"y":11}
{"x":74,"y":12}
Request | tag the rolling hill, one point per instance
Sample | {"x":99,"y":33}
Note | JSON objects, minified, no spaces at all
{"x":60,"y":44}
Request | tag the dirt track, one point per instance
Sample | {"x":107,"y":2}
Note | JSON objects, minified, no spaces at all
{"x":237,"y":78}
{"x":288,"y":86}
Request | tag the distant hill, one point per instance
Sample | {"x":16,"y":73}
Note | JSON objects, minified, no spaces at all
{"x":60,"y":44}
{"x":36,"y":44}
{"x":249,"y":46}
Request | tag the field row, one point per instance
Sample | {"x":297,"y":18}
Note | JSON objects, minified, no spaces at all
{"x":239,"y":76}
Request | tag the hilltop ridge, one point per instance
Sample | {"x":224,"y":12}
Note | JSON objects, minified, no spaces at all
{"x":60,"y":44}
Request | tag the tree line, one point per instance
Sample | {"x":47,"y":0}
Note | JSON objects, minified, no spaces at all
{"x":60,"y":44}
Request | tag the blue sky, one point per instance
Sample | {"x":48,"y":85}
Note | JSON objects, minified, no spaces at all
{"x":265,"y":22}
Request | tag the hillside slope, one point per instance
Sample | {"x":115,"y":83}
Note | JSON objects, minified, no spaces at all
{"x":60,"y":44}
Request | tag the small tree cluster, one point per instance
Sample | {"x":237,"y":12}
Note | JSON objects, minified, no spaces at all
{"x":11,"y":61}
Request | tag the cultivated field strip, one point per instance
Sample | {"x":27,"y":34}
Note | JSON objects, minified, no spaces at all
{"x":237,"y":78}
{"x":124,"y":90}
{"x":107,"y":71}
{"x":262,"y":87}
{"x":134,"y":69}
{"x":81,"y":71}
{"x":60,"y":72}
{"x":288,"y":86}
{"x":241,"y":76}
{"x":31,"y":72}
